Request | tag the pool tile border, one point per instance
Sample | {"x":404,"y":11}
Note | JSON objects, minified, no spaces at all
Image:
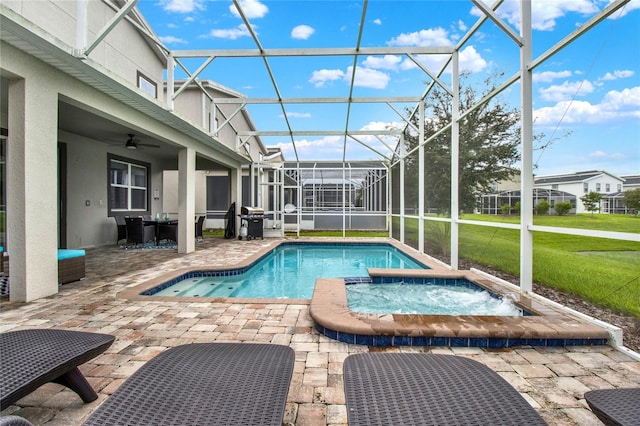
{"x":548,"y":326}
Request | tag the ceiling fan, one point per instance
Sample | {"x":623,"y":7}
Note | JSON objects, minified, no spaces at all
{"x":133,"y":143}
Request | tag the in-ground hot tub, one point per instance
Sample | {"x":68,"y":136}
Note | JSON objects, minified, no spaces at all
{"x":541,"y":324}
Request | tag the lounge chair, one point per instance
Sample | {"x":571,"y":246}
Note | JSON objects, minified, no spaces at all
{"x":204,"y":384}
{"x":31,"y":358}
{"x":430,"y":389}
{"x":619,"y":407}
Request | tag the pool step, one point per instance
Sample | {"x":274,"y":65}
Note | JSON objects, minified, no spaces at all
{"x":357,"y":280}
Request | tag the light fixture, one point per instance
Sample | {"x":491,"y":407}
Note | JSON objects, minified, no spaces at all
{"x":130,"y":143}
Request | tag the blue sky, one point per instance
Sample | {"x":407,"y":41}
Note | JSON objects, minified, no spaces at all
{"x":586,"y":98}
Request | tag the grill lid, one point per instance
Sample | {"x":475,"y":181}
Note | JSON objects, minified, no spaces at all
{"x":253,"y":211}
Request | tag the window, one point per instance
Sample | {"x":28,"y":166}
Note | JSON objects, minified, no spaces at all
{"x":598,"y":187}
{"x":147,"y":85}
{"x":619,"y":187}
{"x":586,"y":187}
{"x":128,"y":185}
{"x":607,"y":187}
{"x":554,"y":186}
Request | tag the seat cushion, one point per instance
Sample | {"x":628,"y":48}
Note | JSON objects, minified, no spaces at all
{"x":69,"y":254}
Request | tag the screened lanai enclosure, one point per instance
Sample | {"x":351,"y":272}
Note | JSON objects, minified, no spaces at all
{"x":412,"y":179}
{"x":407,"y":168}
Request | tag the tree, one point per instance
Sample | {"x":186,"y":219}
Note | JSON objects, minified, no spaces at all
{"x":632,"y":199}
{"x":505,"y":209}
{"x":489,"y":141}
{"x":591,"y":201}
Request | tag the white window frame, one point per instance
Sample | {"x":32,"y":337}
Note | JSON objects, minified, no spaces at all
{"x":128,"y":184}
{"x":147,"y":85}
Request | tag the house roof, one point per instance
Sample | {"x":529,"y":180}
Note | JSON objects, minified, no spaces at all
{"x":571,"y":177}
{"x":631,"y":179}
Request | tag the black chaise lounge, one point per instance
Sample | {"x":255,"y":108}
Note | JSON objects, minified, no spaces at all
{"x":615,"y":407}
{"x":204,"y":384}
{"x":430,"y":389}
{"x":31,"y":358}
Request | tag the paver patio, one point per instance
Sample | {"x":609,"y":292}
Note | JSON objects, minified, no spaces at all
{"x":553,"y":380}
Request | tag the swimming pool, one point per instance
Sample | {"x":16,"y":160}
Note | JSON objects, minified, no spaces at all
{"x":290,"y":271}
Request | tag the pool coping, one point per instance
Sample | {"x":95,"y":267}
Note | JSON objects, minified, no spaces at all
{"x":134,"y":292}
{"x":549,"y":326}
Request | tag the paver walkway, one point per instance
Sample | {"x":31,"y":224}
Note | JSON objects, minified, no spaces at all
{"x":553,"y":380}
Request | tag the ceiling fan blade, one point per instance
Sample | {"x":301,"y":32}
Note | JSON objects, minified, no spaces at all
{"x":149,"y":145}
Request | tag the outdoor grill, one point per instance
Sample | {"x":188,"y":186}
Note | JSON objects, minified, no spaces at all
{"x":252,"y":218}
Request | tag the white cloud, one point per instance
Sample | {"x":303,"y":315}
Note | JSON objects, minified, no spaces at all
{"x":566,"y":91}
{"x":172,"y":26}
{"x":189,"y":19}
{"x":251,"y":9}
{"x":182,"y":6}
{"x":461,"y":25}
{"x":598,"y":154}
{"x":469,"y":60}
{"x":366,"y":77}
{"x":615,"y":106}
{"x":377,"y":21}
{"x":320,"y":77}
{"x":549,"y":76}
{"x":172,"y":40}
{"x":624,"y":11}
{"x":617,"y":74}
{"x":325,"y":148}
{"x":302,"y":32}
{"x":387,"y":62}
{"x":431,"y":37}
{"x":544,"y":14}
{"x":297,"y":115}
{"x":232,"y":33}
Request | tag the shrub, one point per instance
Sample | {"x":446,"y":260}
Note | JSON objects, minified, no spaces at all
{"x":505,"y":209}
{"x":516,"y":208}
{"x":543,"y":207}
{"x":563,"y":208}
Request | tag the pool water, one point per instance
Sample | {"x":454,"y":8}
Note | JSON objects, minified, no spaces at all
{"x":427,"y":299}
{"x":290,"y":271}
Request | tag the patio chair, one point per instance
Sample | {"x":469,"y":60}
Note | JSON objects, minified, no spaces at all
{"x":204,"y":384}
{"x":430,"y":389}
{"x":615,"y":407}
{"x":31,"y":358}
{"x":138,"y":232}
{"x":14,"y":421}
{"x":122,"y":228}
{"x":199,"y":228}
{"x":167,"y":231}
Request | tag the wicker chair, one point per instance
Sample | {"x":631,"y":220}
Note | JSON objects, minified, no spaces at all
{"x":199,"y":226}
{"x":168,"y":231}
{"x":122,"y":228}
{"x":138,"y":232}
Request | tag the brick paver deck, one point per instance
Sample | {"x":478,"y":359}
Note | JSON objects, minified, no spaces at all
{"x":553,"y":380}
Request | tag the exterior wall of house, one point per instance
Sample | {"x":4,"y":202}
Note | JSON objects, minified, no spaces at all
{"x":195,"y":107}
{"x":124,"y":51}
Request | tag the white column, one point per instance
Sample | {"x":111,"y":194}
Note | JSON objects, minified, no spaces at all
{"x":455,"y":159}
{"x":526,"y":198}
{"x":32,"y":193}
{"x":421,"y":178}
{"x":186,"y":200}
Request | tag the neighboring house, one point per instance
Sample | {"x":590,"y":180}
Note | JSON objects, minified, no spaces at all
{"x":72,"y":89}
{"x":581,"y":183}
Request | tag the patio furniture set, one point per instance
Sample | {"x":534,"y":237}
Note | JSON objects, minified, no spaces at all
{"x":144,"y":229}
{"x":248,"y":383}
